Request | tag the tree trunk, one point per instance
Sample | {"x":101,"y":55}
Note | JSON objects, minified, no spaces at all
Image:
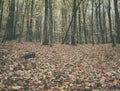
{"x":51,"y":23}
{"x":28,"y":23}
{"x":80,"y":33}
{"x":45,"y":29}
{"x":9,"y":33}
{"x":22,"y":20}
{"x":16,"y":18}
{"x":29,"y":34}
{"x":92,"y":23}
{"x":31,"y":21}
{"x":110,"y":24}
{"x":100,"y":22}
{"x":1,"y":13}
{"x":117,"y":18}
{"x":38,"y":29}
{"x":73,"y":42}
{"x":84,"y":23}
{"x":97,"y":23}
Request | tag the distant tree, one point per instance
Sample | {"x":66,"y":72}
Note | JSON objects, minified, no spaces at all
{"x":64,"y":21}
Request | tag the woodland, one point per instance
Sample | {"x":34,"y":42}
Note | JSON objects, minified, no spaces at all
{"x":59,"y":45}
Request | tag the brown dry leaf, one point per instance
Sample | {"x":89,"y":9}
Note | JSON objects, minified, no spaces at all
{"x":115,"y":82}
{"x":14,"y":87}
{"x":59,"y":88}
{"x":1,"y":86}
{"x":95,"y":90}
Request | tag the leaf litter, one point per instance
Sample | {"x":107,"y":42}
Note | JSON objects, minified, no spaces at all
{"x":59,"y":68}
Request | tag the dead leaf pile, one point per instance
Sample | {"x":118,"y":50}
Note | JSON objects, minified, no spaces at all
{"x":59,"y":68}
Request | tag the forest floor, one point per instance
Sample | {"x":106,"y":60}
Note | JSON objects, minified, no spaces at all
{"x":59,"y":68}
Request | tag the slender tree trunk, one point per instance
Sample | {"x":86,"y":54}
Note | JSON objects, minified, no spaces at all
{"x":104,"y":23}
{"x":110,"y":24}
{"x":64,"y":23}
{"x":73,"y":42}
{"x":45,"y":29}
{"x":80,"y":33}
{"x":1,"y":13}
{"x":28,"y":23}
{"x":100,"y":22}
{"x":16,"y":18}
{"x":84,"y":23}
{"x":97,"y":23}
{"x":31,"y":21}
{"x":38,"y":29}
{"x":22,"y":20}
{"x":117,"y":18}
{"x":51,"y":23}
{"x":92,"y":22}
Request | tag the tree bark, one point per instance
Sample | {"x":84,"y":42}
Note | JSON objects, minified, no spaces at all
{"x":9,"y":33}
{"x":117,"y":18}
{"x":45,"y":29}
{"x":73,"y":41}
{"x":100,"y":22}
{"x":110,"y":24}
{"x":84,"y":23}
{"x":92,"y":22}
{"x":1,"y":13}
{"x":51,"y":23}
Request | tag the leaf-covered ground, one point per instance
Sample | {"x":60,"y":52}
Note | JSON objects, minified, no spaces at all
{"x":59,"y":68}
